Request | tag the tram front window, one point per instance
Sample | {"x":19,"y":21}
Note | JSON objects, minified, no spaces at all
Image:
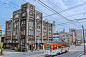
{"x":47,"y":47}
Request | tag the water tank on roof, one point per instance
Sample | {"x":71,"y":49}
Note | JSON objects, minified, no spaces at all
{"x":44,"y":19}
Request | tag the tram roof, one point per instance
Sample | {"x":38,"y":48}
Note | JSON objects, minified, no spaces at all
{"x":58,"y":42}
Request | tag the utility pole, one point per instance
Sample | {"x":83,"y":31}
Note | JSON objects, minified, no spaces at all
{"x":32,"y":44}
{"x":21,"y":46}
{"x":84,"y":39}
{"x":38,"y":40}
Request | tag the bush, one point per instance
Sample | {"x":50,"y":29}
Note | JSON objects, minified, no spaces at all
{"x":1,"y":51}
{"x":21,"y":48}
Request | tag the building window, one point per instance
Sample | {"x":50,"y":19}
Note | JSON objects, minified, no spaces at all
{"x":31,"y":24}
{"x":17,"y":23}
{"x":16,"y":36}
{"x":63,"y":35}
{"x":9,"y":26}
{"x":49,"y":28}
{"x":44,"y":40}
{"x":44,"y":27}
{"x":16,"y":16}
{"x":38,"y":25}
{"x":14,"y":33}
{"x":30,"y":32}
{"x":38,"y":17}
{"x":44,"y":34}
{"x":50,"y":35}
{"x":38,"y":33}
{"x":23,"y":41}
{"x":23,"y":14}
{"x":31,"y":14}
{"x":73,"y":31}
{"x":8,"y":33}
{"x":67,"y":35}
{"x":70,"y":35}
{"x":31,"y":7}
{"x":23,"y":32}
{"x":22,"y":23}
{"x":14,"y":25}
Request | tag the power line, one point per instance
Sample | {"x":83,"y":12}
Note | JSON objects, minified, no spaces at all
{"x":70,"y":8}
{"x":47,"y":14}
{"x":49,"y":8}
{"x":52,"y":17}
{"x":76,"y":14}
{"x":58,"y":7}
{"x":13,"y":3}
{"x":18,"y":6}
{"x":8,"y":5}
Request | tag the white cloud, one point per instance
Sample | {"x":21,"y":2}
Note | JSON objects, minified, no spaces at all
{"x":61,"y":4}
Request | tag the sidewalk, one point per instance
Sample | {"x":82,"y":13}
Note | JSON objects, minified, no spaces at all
{"x":13,"y":52}
{"x":83,"y":56}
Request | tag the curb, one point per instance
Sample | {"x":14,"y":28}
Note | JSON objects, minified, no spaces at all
{"x":80,"y":55}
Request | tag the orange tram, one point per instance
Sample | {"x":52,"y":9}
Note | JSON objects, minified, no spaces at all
{"x":55,"y":48}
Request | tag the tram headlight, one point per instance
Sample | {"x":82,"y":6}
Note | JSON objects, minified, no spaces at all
{"x":50,"y":50}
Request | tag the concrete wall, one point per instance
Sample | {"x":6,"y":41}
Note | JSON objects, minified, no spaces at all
{"x":63,"y":36}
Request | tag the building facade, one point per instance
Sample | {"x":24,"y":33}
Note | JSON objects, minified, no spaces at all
{"x":79,"y":33}
{"x":27,"y":29}
{"x":8,"y":34}
{"x":67,"y":37}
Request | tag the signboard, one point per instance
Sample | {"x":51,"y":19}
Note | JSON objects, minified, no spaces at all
{"x":0,"y":26}
{"x":0,"y":32}
{"x":1,"y":44}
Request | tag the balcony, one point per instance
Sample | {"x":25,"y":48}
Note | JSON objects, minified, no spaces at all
{"x":23,"y":18}
{"x":15,"y":42}
{"x":8,"y":37}
{"x":8,"y":41}
{"x":15,"y":38}
{"x":31,"y":18}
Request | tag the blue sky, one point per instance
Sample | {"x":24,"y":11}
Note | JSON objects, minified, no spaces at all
{"x":8,"y":6}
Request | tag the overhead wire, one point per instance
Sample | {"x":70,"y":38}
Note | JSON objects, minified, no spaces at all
{"x":10,"y":5}
{"x":49,"y":8}
{"x":70,"y":8}
{"x":59,"y":8}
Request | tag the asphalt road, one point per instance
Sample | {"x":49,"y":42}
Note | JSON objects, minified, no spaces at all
{"x":25,"y":54}
{"x":75,"y":53}
{"x":71,"y":54}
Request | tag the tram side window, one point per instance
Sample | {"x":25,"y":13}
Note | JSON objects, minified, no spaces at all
{"x":46,"y":47}
{"x":59,"y":46}
{"x":50,"y":47}
{"x":55,"y":46}
{"x":67,"y":45}
{"x":62,"y":46}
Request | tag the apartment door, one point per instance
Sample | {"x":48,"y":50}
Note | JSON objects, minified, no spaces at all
{"x":13,"y":47}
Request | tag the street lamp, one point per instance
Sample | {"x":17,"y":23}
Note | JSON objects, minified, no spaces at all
{"x":84,"y":36}
{"x":84,"y":39}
